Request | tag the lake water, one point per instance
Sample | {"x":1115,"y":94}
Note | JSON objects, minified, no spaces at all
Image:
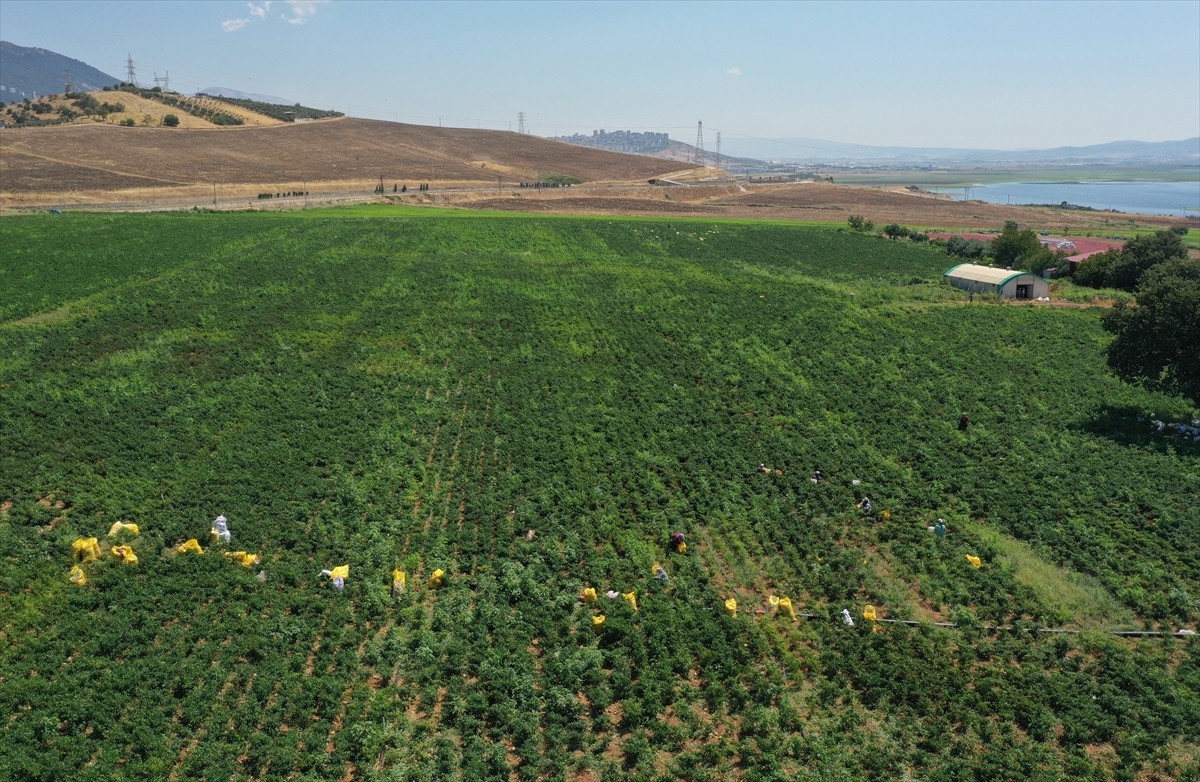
{"x":1158,"y":198}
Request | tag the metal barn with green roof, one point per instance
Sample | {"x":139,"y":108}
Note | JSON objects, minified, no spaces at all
{"x":1002,"y":282}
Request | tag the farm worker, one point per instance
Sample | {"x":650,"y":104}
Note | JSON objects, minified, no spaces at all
{"x":869,"y":613}
{"x":731,"y":606}
{"x":847,"y":618}
{"x":399,"y":582}
{"x":530,"y":535}
{"x":939,"y":529}
{"x":338,"y":575}
{"x":436,"y":578}
{"x":677,"y":540}
{"x":865,"y":504}
{"x":85,"y":550}
{"x":125,"y":554}
{"x":763,"y":468}
{"x":660,"y":573}
{"x":612,"y":594}
{"x":818,"y":476}
{"x":190,"y":546}
{"x":120,"y":526}
{"x":976,"y":562}
{"x":588,"y":595}
{"x":77,"y":575}
{"x":632,"y":598}
{"x":598,"y":622}
{"x":963,"y":423}
{"x":220,"y":529}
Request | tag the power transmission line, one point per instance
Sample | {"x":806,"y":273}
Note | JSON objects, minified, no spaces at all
{"x":521,"y":122}
{"x":699,"y":152}
{"x":130,"y":73}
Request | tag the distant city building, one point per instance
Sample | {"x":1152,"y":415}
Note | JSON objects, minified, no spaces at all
{"x":620,"y":141}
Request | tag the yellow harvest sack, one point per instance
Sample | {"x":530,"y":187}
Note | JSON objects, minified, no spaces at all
{"x":243,"y":558}
{"x":190,"y":546}
{"x":77,"y":575}
{"x":976,"y":562}
{"x":598,"y":623}
{"x":588,"y":595}
{"x":436,"y":579}
{"x":632,"y":598}
{"x":731,"y":606}
{"x":120,"y":526}
{"x":85,"y":550}
{"x":125,"y":554}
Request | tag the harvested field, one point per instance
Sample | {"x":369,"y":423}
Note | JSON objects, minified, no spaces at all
{"x":75,"y":157}
{"x":342,"y":161}
{"x":811,"y":201}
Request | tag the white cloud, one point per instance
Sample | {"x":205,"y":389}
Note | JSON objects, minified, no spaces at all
{"x":735,"y":71}
{"x":260,"y":11}
{"x":233,"y":25}
{"x":302,"y":10}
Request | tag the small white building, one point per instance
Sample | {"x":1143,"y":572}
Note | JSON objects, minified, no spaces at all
{"x":1002,"y":282}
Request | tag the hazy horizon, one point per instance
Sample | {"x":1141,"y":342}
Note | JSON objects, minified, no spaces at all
{"x":979,"y":75}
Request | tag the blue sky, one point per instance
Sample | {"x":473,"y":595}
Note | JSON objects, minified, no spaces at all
{"x":1000,"y":75}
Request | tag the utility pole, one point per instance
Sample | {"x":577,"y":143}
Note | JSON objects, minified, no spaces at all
{"x":718,"y":149}
{"x":67,"y":85}
{"x":699,"y":151}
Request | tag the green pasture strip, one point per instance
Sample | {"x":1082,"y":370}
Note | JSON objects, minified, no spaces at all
{"x":1080,"y":600}
{"x":406,"y":210}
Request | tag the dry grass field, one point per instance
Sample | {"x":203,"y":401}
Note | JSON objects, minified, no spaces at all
{"x":56,"y":161}
{"x":340,"y":160}
{"x":812,"y":202}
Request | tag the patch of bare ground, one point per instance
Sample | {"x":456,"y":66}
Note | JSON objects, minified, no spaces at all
{"x":806,"y":201}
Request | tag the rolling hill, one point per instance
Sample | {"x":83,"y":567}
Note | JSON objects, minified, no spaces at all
{"x":105,"y":157}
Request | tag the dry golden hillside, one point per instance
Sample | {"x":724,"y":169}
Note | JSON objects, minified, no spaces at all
{"x":285,"y":156}
{"x":144,"y":112}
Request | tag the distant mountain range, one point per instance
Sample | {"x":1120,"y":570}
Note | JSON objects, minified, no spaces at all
{"x":227,"y":92}
{"x":805,"y":150}
{"x":27,"y":72}
{"x":652,"y":144}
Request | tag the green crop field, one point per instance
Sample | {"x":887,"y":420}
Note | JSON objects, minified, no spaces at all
{"x":416,"y":391}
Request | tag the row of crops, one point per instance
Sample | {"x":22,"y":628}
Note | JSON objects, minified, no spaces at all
{"x":419,"y":392}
